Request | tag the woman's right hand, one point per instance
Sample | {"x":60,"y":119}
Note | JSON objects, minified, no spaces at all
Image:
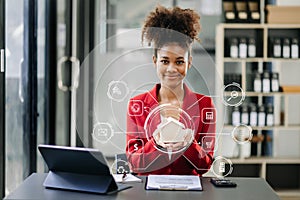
{"x":172,"y":146}
{"x":156,"y":137}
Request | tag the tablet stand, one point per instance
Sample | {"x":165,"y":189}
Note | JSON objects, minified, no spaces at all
{"x":102,"y":184}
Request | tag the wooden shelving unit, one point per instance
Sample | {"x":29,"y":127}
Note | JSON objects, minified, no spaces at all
{"x":282,"y":173}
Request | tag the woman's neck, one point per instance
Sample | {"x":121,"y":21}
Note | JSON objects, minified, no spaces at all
{"x":174,"y":96}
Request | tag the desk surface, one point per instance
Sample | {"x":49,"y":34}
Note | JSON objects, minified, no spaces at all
{"x":247,"y":188}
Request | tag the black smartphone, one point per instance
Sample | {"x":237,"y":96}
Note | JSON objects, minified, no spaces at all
{"x":221,"y":182}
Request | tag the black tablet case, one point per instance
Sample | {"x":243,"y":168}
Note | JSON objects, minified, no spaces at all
{"x":78,"y":169}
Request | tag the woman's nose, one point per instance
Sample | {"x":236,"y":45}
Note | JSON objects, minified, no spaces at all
{"x":171,"y":68}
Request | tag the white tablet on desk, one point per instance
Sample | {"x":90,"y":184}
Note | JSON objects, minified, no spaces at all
{"x":79,"y":169}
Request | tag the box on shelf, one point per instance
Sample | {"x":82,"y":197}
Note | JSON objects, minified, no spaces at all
{"x":283,"y":14}
{"x":291,"y":88}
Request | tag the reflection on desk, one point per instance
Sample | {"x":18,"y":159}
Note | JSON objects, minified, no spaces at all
{"x":247,"y":188}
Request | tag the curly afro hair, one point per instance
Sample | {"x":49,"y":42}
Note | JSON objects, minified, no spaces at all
{"x":165,"y":25}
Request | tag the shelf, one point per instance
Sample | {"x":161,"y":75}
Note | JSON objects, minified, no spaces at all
{"x":256,"y":94}
{"x":267,"y":94}
{"x":282,"y":173}
{"x":281,"y":59}
{"x":289,"y":127}
{"x":282,"y":26}
{"x":242,"y":26}
{"x":259,"y":26}
{"x":288,"y":193}
{"x":265,"y":160}
{"x":262,"y":35}
{"x":229,"y":59}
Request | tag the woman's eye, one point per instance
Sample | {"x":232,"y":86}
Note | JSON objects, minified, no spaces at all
{"x":180,"y":62}
{"x":164,"y":61}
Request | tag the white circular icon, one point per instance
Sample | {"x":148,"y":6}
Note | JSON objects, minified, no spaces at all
{"x":242,"y":134}
{"x":222,"y":166}
{"x":235,"y":97}
{"x":102,"y":132}
{"x":117,"y":90}
{"x":175,"y":120}
{"x":120,"y":166}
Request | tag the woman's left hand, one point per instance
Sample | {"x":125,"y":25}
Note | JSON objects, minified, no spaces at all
{"x":188,"y":138}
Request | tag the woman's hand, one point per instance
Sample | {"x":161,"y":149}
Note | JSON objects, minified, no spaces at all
{"x":156,"y":137}
{"x":179,"y":145}
{"x":168,"y":146}
{"x":174,"y":146}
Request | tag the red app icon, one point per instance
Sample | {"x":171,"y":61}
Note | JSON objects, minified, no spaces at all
{"x":136,"y":108}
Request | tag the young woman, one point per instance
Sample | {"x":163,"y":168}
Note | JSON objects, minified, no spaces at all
{"x":171,"y":32}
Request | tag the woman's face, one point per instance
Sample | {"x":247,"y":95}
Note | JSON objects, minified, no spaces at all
{"x":172,"y":63}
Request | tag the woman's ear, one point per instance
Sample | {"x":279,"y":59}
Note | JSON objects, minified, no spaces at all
{"x":154,"y":60}
{"x":190,"y":62}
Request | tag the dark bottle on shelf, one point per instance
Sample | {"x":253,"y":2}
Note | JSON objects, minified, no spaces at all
{"x":229,"y":11}
{"x":286,"y":48}
{"x":241,"y":9}
{"x":254,"y":14}
{"x":282,"y":113}
{"x":295,"y":48}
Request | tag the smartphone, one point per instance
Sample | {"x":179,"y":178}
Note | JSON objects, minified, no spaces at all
{"x":221,"y":182}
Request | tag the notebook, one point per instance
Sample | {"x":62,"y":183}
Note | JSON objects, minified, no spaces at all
{"x":173,"y":182}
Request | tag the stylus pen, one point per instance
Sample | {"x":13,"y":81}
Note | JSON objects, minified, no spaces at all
{"x":124,"y":176}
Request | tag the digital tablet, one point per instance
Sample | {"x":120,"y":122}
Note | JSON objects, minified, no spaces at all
{"x":80,"y":169}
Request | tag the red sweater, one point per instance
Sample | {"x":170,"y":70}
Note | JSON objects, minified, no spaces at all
{"x":144,"y":158}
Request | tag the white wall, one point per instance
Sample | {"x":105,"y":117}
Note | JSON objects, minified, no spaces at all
{"x":288,"y":2}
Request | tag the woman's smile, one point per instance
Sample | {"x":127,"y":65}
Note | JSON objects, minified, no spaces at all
{"x":172,"y":76}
